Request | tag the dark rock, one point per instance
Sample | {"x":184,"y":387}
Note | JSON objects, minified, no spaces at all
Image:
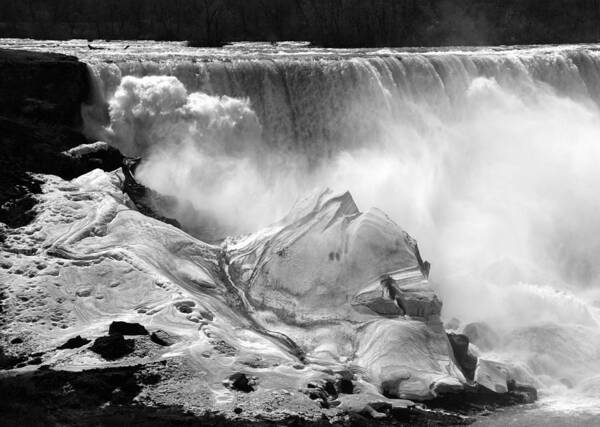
{"x":43,"y":86}
{"x":240,"y":382}
{"x":324,"y":391}
{"x":38,"y":147}
{"x":112,"y":346}
{"x":74,"y":342}
{"x":126,"y":328}
{"x":17,"y":199}
{"x":522,"y":393}
{"x":149,"y":378}
{"x":476,"y":399}
{"x":207,"y":315}
{"x":426,"y":268}
{"x":482,"y":335}
{"x":345,"y":386}
{"x":55,"y":397}
{"x":163,"y":338}
{"x":40,"y":119}
{"x":146,"y":200}
{"x":381,"y":406}
{"x":466,"y":361}
{"x":420,"y":416}
{"x":318,"y":394}
{"x":9,"y":361}
{"x":329,"y":388}
{"x":91,"y":156}
{"x":184,"y":308}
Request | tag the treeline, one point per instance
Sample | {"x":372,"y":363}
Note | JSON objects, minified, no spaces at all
{"x":343,"y":23}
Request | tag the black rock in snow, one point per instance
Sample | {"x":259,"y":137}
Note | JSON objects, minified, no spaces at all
{"x":466,"y":361}
{"x":74,"y":342}
{"x":126,"y":328}
{"x":239,"y":381}
{"x":163,"y":338}
{"x":112,"y":346}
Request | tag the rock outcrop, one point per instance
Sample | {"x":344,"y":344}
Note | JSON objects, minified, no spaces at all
{"x":113,"y":346}
{"x":39,"y":123}
{"x":126,"y":328}
{"x":466,"y":361}
{"x":349,"y":286}
{"x":44,"y":87}
{"x":74,"y":342}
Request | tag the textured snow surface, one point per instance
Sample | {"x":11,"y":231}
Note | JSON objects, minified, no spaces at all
{"x":327,"y":288}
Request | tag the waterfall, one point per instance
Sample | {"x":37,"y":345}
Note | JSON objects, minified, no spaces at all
{"x":321,"y":104}
{"x":489,"y":157}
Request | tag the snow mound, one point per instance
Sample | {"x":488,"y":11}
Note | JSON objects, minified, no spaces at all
{"x":326,"y":289}
{"x":336,"y":280}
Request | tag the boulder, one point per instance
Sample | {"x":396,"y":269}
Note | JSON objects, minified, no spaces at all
{"x":466,"y":361}
{"x":74,"y":342}
{"x":163,"y":338}
{"x":492,"y":375}
{"x":9,"y":361}
{"x":522,"y":393}
{"x":125,"y":328}
{"x":240,"y":382}
{"x":344,"y":386}
{"x":112,"y":346}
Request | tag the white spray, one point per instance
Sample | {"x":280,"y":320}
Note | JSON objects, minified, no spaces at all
{"x":496,"y":174}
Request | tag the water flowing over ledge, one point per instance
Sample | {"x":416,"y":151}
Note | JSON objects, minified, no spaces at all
{"x":487,"y":156}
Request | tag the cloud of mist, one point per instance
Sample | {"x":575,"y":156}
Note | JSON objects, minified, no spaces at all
{"x":204,"y":150}
{"x":501,"y":194}
{"x":508,"y":179}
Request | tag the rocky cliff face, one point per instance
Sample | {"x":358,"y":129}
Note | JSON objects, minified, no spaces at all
{"x":44,"y":87}
{"x":40,"y":102}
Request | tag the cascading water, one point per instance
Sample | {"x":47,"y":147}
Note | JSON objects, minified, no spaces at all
{"x":488,"y":157}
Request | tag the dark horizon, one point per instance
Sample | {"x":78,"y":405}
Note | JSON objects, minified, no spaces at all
{"x":328,"y":23}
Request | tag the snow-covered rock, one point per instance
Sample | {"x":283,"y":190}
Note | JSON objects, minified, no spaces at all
{"x":327,"y":291}
{"x":349,"y":286}
{"x":327,"y":257}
